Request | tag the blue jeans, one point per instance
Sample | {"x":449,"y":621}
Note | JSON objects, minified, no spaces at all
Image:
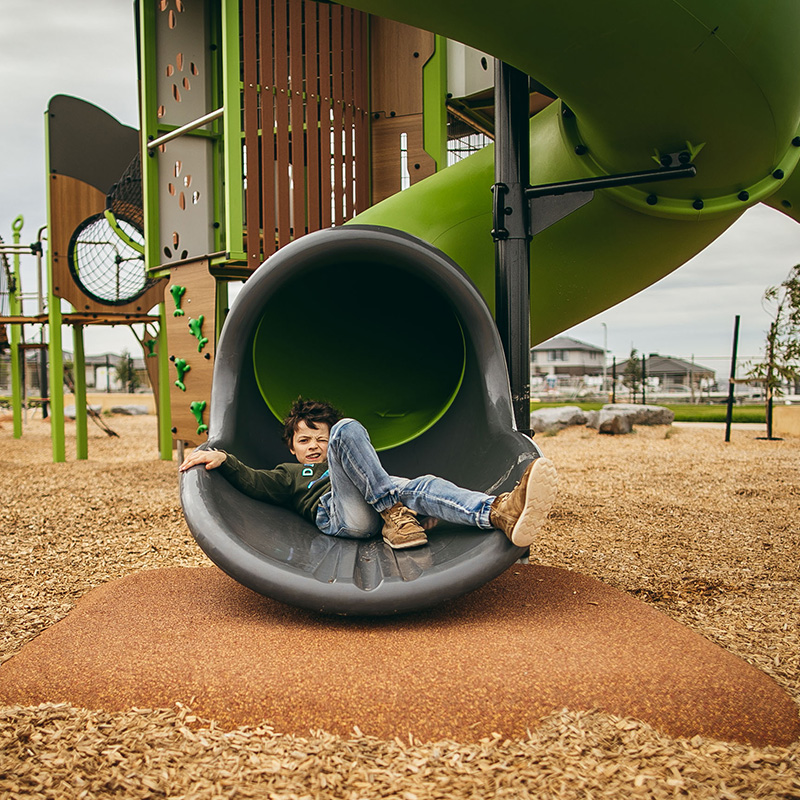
{"x":361,"y":489}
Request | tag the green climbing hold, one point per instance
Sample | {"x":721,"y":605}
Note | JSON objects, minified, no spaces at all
{"x":197,"y":408}
{"x":196,"y":327}
{"x":177,"y":293}
{"x":182,"y":367}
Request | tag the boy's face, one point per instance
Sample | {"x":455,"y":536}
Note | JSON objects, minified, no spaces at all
{"x":310,"y":445}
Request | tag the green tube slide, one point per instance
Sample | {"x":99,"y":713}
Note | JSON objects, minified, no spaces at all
{"x":635,"y":81}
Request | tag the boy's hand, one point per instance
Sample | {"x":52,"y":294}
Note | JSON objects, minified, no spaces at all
{"x":211,"y":458}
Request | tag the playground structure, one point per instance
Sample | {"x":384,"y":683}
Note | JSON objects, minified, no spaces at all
{"x":95,"y":256}
{"x":264,"y":122}
{"x":702,"y":97}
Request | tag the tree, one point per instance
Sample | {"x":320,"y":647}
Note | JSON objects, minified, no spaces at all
{"x":632,"y":374}
{"x":126,"y":373}
{"x":782,"y":347}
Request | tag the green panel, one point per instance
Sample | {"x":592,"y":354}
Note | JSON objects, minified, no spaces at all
{"x":15,"y":307}
{"x":149,"y":122}
{"x":434,"y":98}
{"x":232,"y":132}
{"x":382,"y":347}
{"x":81,"y":411}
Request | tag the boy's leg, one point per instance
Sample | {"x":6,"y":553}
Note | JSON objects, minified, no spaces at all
{"x":519,"y":513}
{"x":441,"y":499}
{"x":363,"y":499}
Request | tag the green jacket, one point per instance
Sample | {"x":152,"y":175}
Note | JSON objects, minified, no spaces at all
{"x":298,"y":487}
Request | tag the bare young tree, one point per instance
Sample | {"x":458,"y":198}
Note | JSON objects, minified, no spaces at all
{"x":632,"y":376}
{"x":781,"y":362}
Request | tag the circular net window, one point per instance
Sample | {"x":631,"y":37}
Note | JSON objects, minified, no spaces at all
{"x":106,"y":259}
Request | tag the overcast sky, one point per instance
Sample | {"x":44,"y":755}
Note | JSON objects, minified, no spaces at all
{"x":86,"y":48}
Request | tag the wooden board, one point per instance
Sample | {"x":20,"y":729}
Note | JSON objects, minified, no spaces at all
{"x":198,"y":300}
{"x":72,"y":201}
{"x":397,"y":55}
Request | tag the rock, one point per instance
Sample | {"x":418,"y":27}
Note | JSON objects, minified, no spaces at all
{"x":621,"y":417}
{"x":644,"y":414}
{"x":613,"y":422}
{"x":549,"y":420}
{"x":129,"y":410}
{"x":69,"y":411}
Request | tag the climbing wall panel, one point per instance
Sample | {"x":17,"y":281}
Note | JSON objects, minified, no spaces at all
{"x":190,"y":298}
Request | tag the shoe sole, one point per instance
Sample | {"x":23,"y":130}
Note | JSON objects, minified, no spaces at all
{"x":406,"y":545}
{"x":540,"y":493}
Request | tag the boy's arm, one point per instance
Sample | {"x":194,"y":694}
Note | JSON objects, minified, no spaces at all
{"x":268,"y":485}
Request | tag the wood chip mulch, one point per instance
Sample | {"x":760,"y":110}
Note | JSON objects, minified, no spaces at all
{"x":706,"y":532}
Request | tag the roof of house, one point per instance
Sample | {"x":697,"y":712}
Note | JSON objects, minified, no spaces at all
{"x":655,"y":363}
{"x":566,"y":343}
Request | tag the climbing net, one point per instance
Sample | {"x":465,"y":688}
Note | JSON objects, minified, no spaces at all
{"x":106,"y":251}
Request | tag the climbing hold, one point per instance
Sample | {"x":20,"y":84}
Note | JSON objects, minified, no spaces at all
{"x":150,"y":344}
{"x":197,"y":408}
{"x":182,"y":368}
{"x":177,"y":293}
{"x":196,"y":327}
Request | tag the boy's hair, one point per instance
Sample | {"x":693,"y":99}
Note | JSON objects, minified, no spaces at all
{"x":311,"y":412}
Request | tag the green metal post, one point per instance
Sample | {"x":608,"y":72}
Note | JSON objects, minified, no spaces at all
{"x":81,"y":412}
{"x":434,"y":104}
{"x":149,"y":123}
{"x":232,"y":132}
{"x":56,"y":355}
{"x":164,"y":407}
{"x":15,"y":307}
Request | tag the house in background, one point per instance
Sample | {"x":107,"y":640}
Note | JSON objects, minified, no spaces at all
{"x":565,"y":357}
{"x":670,"y":374}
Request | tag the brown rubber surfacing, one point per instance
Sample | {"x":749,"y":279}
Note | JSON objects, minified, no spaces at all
{"x":535,"y":640}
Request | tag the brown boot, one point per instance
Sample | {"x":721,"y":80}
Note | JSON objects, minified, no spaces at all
{"x":521,"y":512}
{"x":402,"y":529}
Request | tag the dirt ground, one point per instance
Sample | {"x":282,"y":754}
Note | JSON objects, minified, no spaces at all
{"x":706,"y":531}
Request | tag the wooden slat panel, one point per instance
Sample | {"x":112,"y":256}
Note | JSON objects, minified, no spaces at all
{"x":267,"y":126}
{"x":251,"y":141}
{"x":312,"y":116}
{"x":348,"y":102}
{"x":337,"y":95}
{"x":282,"y":120}
{"x":362,"y":115}
{"x":298,"y":150}
{"x":325,"y":85}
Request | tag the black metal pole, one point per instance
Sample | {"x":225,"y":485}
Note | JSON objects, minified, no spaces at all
{"x":731,"y":385}
{"x":614,"y":380}
{"x":511,"y":233}
{"x":644,"y":379}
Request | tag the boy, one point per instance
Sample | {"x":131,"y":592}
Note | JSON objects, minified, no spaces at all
{"x":339,"y":484}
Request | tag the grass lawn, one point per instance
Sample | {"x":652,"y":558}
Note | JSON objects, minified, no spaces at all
{"x":685,"y":412}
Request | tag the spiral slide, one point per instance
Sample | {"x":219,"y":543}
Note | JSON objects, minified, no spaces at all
{"x":635,"y":80}
{"x":401,"y":335}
